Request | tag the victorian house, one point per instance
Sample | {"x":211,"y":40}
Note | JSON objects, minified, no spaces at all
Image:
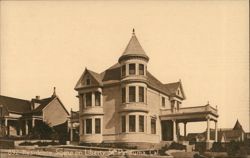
{"x":19,"y":116}
{"x":126,"y":103}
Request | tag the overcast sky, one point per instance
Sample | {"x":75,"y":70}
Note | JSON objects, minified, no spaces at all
{"x":203,"y":43}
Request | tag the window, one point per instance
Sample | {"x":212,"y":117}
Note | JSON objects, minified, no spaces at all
{"x":124,"y":70}
{"x":83,"y":126}
{"x":123,"y":95}
{"x":97,"y":125}
{"x":131,"y":123}
{"x":83,"y":100}
{"x":88,"y":99}
{"x":123,"y":120}
{"x":132,"y":94}
{"x":141,"y":69}
{"x":141,"y":123}
{"x":132,"y":69}
{"x":87,"y":81}
{"x":97,"y":99}
{"x":153,"y":126}
{"x":141,"y":94}
{"x":88,"y":126}
{"x":163,"y":101}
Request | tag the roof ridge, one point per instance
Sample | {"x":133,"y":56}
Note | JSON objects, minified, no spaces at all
{"x":14,"y":98}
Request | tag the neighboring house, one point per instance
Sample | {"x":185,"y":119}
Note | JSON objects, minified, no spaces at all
{"x":224,"y":134}
{"x":126,"y":103}
{"x":18,"y":116}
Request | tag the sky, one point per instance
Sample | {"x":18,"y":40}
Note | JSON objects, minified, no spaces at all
{"x":203,"y":43}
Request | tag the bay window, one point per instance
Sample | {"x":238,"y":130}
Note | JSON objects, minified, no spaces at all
{"x":123,"y":70}
{"x":123,"y":123}
{"x":88,"y":99}
{"x":153,"y":126}
{"x":132,"y":123}
{"x":141,"y":94}
{"x":97,"y":125}
{"x":88,"y":126}
{"x":132,"y":94}
{"x":141,"y":69}
{"x":131,"y":69}
{"x":123,"y":95}
{"x":141,"y":123}
{"x":97,"y":99}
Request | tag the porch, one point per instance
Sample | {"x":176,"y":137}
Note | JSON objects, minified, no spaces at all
{"x":15,"y":125}
{"x":171,"y":119}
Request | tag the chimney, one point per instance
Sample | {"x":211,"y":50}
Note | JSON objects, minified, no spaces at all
{"x":37,"y":97}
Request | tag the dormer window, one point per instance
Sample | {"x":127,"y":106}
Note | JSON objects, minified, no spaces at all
{"x":87,"y":81}
{"x":131,"y":69}
{"x":123,"y":70}
{"x":141,"y":69}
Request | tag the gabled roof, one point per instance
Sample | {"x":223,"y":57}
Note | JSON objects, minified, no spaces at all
{"x":134,"y":48}
{"x":43,"y":103}
{"x":97,"y":77}
{"x":46,"y":101}
{"x":174,"y":86}
{"x":15,"y":105}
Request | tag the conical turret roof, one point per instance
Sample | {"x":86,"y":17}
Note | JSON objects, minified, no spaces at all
{"x":237,"y":126}
{"x":134,"y":49}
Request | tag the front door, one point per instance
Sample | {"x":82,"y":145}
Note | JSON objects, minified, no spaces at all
{"x":167,"y":130}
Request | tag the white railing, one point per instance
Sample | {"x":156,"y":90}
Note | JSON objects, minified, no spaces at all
{"x":197,"y":109}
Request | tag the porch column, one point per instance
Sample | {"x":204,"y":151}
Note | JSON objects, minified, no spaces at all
{"x":185,"y":129}
{"x":33,"y":122}
{"x":216,"y":132}
{"x":174,"y":131}
{"x":93,"y":99}
{"x":208,"y":129}
{"x":7,"y":126}
{"x":71,"y":131}
{"x":26,"y":127}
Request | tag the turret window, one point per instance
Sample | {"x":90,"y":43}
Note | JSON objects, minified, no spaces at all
{"x":123,"y":70}
{"x":123,"y":122}
{"x":141,"y":69}
{"x":123,"y":95}
{"x":132,"y":123}
{"x":132,"y":94}
{"x":141,"y":123}
{"x":141,"y":94}
{"x":131,"y":69}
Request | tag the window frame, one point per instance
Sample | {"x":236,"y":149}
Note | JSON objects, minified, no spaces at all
{"x":123,"y":69}
{"x":123,"y":94}
{"x":88,"y":126}
{"x":88,"y":101}
{"x":98,"y":128}
{"x":88,"y":81}
{"x":132,"y":68}
{"x":132,"y":123}
{"x":153,"y":125}
{"x":163,"y":102}
{"x":141,"y":123}
{"x":123,"y":123}
{"x":141,"y":96}
{"x":141,"y":71}
{"x":97,"y":98}
{"x":132,"y":97}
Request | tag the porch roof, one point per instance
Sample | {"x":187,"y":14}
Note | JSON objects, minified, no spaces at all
{"x":190,"y":114}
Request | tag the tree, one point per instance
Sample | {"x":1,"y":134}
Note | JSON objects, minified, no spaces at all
{"x":42,"y":130}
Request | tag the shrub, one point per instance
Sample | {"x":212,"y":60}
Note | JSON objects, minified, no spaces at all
{"x":177,"y":146}
{"x":42,"y":131}
{"x":217,"y":147}
{"x":233,"y":148}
